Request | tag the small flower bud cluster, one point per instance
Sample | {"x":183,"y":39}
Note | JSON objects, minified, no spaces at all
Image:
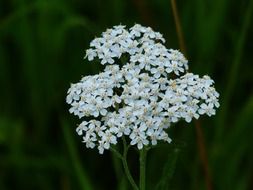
{"x":143,"y":96}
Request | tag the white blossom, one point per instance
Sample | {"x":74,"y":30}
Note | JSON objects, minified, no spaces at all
{"x":140,"y":97}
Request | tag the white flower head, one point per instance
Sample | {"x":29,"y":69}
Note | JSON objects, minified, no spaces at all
{"x":141,"y":97}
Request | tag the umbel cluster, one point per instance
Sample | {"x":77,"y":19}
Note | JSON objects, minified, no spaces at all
{"x":143,"y":89}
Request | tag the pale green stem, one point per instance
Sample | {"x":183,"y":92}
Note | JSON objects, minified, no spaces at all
{"x":143,"y":156}
{"x":142,"y":159}
{"x":124,"y":162}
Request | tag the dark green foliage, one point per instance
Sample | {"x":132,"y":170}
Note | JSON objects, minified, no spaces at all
{"x":42,"y":45}
{"x":168,"y":170}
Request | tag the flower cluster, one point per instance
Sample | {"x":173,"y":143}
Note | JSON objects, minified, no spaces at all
{"x":143,"y":89}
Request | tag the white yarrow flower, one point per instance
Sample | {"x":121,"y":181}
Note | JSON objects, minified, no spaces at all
{"x":141,"y":97}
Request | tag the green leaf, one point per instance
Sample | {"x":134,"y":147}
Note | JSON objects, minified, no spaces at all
{"x":79,"y":170}
{"x":168,"y":170}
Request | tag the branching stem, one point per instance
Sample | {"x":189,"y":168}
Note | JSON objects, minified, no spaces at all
{"x":126,"y":168}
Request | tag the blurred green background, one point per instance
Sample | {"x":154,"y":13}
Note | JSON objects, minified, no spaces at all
{"x":42,"y":44}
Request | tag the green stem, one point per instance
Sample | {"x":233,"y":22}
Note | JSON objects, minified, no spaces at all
{"x":116,"y":152}
{"x":143,"y":156}
{"x":124,"y":162}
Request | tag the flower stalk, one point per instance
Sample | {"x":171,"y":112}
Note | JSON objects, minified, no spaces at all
{"x":143,"y":158}
{"x":125,"y":165}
